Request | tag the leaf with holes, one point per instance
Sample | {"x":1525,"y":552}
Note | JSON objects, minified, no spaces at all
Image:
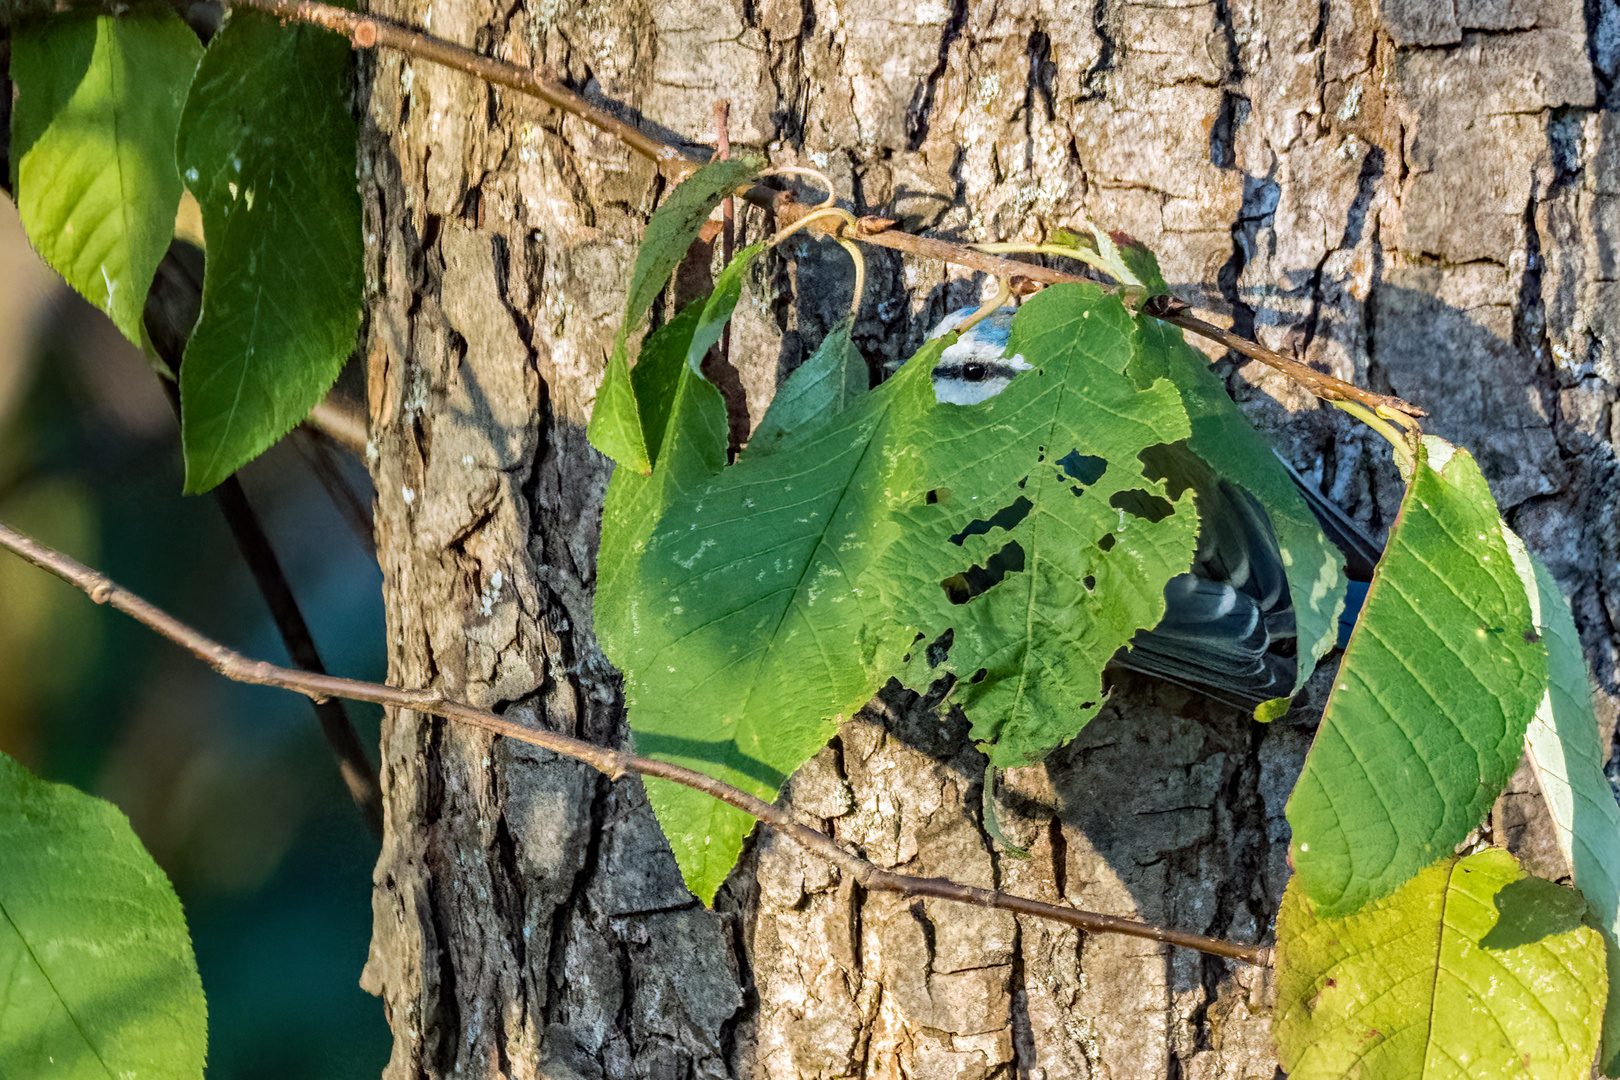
{"x":1470,"y":970}
{"x":1032,"y":534}
{"x":781,"y":594}
{"x":1426,"y":723}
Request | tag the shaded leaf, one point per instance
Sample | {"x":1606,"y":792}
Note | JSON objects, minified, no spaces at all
{"x":1225,"y":439}
{"x":1469,"y":970}
{"x":617,"y":422}
{"x":267,"y":145}
{"x":1427,"y":719}
{"x":97,"y":977}
{"x":93,"y":134}
{"x":830,"y":381}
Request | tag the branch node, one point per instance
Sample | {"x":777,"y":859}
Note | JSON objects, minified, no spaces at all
{"x":1162,"y":306}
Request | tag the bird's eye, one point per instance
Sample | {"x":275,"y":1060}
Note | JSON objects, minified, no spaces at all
{"x":974,"y":372}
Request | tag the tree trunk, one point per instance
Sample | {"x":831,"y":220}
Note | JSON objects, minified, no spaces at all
{"x":1413,"y":195}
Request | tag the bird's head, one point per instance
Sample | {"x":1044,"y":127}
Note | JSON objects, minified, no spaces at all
{"x":976,"y":368}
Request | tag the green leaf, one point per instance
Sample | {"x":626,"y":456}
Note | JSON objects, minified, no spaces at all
{"x":616,"y":426}
{"x":267,"y":145}
{"x":1567,"y":753}
{"x":673,"y":227}
{"x":1426,"y":723}
{"x":691,"y":425}
{"x":1230,"y":445}
{"x":830,"y":381}
{"x":781,"y":594}
{"x":1087,"y":557}
{"x":1471,"y":970}
{"x":681,"y":411}
{"x":720,"y":304}
{"x":1140,"y":261}
{"x":97,"y":977}
{"x":753,"y":641}
{"x":93,"y":131}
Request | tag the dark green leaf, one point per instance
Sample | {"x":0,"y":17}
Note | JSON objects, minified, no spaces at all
{"x":830,"y":381}
{"x":93,"y":132}
{"x":1225,"y":439}
{"x":616,"y":427}
{"x":674,"y":226}
{"x":97,"y":978}
{"x":267,"y":145}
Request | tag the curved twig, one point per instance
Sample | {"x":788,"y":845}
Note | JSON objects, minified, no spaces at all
{"x":613,"y":763}
{"x":366,"y":31}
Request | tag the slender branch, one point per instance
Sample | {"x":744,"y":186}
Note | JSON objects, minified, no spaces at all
{"x":169,"y":314}
{"x":341,"y":419}
{"x":613,"y":763}
{"x":366,"y":31}
{"x":254,"y":544}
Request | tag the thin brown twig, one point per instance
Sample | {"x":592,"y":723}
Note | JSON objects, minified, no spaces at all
{"x":341,"y":419}
{"x":366,"y":31}
{"x":613,"y":763}
{"x":728,"y":209}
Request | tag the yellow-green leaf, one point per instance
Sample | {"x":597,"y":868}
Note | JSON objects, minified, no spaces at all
{"x":1472,"y":970}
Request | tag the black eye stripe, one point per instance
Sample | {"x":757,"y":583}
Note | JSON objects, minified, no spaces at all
{"x":975,"y":371}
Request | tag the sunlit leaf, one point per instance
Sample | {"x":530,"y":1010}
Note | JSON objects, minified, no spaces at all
{"x":1567,"y":754}
{"x":1426,"y":721}
{"x":1470,"y":970}
{"x":97,"y":977}
{"x":93,"y":132}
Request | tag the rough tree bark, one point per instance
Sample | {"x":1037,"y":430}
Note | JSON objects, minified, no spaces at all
{"x":1417,"y":195}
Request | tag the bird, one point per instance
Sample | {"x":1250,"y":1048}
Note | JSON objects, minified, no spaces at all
{"x":1228,"y":630}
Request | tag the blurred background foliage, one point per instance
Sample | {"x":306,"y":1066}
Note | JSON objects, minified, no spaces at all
{"x":230,"y":787}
